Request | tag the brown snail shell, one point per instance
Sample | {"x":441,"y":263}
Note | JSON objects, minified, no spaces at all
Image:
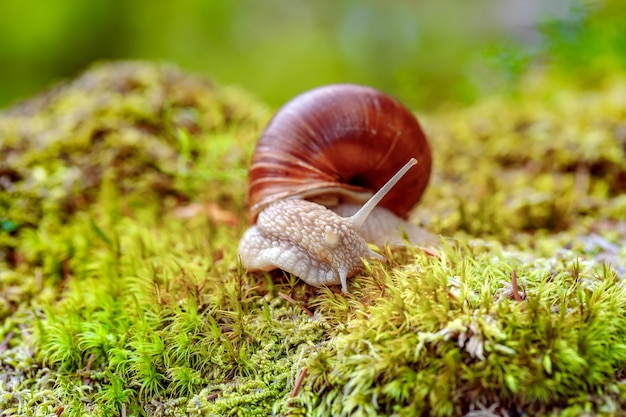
{"x":339,"y":144}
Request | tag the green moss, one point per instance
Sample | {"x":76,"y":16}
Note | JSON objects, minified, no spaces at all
{"x":447,"y":335}
{"x":122,"y":199}
{"x":546,"y":160}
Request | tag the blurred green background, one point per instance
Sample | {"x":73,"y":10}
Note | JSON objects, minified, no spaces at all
{"x":426,"y":53}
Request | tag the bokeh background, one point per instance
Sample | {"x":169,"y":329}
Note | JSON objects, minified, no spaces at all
{"x":426,"y":53}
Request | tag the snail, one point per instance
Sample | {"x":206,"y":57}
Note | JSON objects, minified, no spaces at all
{"x":323,"y":154}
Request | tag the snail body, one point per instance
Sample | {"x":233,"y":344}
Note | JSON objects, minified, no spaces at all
{"x":333,"y":147}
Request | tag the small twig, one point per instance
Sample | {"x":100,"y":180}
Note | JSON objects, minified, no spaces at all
{"x":88,"y":367}
{"x":123,"y":409}
{"x":430,"y":252}
{"x":452,"y":296}
{"x":296,"y":387}
{"x":516,"y":293}
{"x":90,"y":362}
{"x":5,"y":343}
{"x":291,"y":300}
{"x":59,"y":411}
{"x":213,"y":396}
{"x":201,"y":287}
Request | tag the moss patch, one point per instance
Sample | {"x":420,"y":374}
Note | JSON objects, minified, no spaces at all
{"x":122,"y":203}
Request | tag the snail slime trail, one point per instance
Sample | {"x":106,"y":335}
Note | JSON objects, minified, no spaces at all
{"x":310,"y":241}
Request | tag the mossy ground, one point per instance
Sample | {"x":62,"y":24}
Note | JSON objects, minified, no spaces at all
{"x":122,"y":199}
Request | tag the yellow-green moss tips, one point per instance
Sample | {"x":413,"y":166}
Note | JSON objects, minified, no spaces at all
{"x":120,"y":287}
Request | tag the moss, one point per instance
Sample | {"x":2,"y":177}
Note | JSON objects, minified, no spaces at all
{"x":120,"y":290}
{"x":130,"y":121}
{"x":448,"y":336}
{"x":546,"y":160}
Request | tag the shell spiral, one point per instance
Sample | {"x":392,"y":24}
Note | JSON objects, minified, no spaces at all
{"x":340,"y":143}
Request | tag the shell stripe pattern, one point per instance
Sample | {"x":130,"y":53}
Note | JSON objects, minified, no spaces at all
{"x":341,"y":139}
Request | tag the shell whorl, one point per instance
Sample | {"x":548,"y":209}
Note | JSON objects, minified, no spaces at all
{"x":343,"y":141}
